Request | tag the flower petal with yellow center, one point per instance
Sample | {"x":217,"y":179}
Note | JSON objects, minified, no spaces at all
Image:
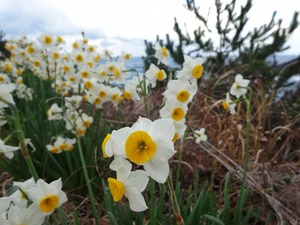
{"x":139,"y":147}
{"x":160,"y":75}
{"x":49,"y":203}
{"x":164,"y":52}
{"x":225,"y":105}
{"x":127,"y":95}
{"x":197,"y":71}
{"x":177,"y":114}
{"x":183,"y":96}
{"x":116,"y":188}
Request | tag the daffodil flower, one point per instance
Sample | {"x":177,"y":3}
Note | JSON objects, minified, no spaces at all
{"x":149,"y":144}
{"x":129,"y":184}
{"x":175,"y":111}
{"x":47,"y":196}
{"x":161,"y":54}
{"x":182,"y":91}
{"x":155,"y":74}
{"x":239,"y":87}
{"x":7,"y":150}
{"x":229,"y":104}
{"x":192,"y":69}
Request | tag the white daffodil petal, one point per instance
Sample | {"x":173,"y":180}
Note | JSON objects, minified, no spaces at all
{"x":136,"y":200}
{"x":138,"y":179}
{"x":162,"y":129}
{"x":157,"y":170}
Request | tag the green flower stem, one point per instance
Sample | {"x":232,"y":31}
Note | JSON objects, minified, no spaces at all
{"x":87,"y":180}
{"x":247,"y":147}
{"x":175,"y":206}
{"x":23,"y":146}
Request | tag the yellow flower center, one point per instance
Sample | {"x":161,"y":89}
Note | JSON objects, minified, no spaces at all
{"x":106,"y":139}
{"x":36,"y":63}
{"x":75,"y":45}
{"x":30,"y":49}
{"x":114,"y":97}
{"x":140,"y":147}
{"x":88,"y":85}
{"x":97,"y":101}
{"x":116,"y":188}
{"x":59,"y":39}
{"x":20,"y":81}
{"x":1,"y":79}
{"x":116,"y":73}
{"x":49,"y":203}
{"x":197,"y":71}
{"x":91,"y":49}
{"x":66,"y":69}
{"x":54,"y":150}
{"x":20,"y":71}
{"x":87,"y":123}
{"x":102,"y":94}
{"x":97,"y":58}
{"x":183,"y":96}
{"x":70,"y":148}
{"x":84,"y":74}
{"x":177,"y":114}
{"x":160,"y":75}
{"x":72,"y":79}
{"x":8,"y":68}
{"x":127,"y":56}
{"x":164,"y":52}
{"x":225,"y":105}
{"x":103,"y":73}
{"x":56,"y":55}
{"x":47,"y":40}
{"x":79,"y":58}
{"x":127,"y":95}
{"x":63,"y":146}
{"x":111,"y":68}
{"x":90,"y":64}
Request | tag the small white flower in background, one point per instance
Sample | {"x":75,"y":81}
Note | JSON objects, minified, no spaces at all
{"x":5,"y":94}
{"x":155,"y":74}
{"x":239,"y":87}
{"x":54,"y":112}
{"x":174,"y":110}
{"x":130,"y":92}
{"x":130,"y":184}
{"x":7,"y":150}
{"x":47,"y":196}
{"x":161,"y":54}
{"x":229,"y":104}
{"x":200,"y":135}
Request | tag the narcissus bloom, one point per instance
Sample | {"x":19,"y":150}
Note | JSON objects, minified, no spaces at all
{"x":192,"y":69}
{"x":149,"y":144}
{"x":155,"y":74}
{"x":130,"y":184}
{"x":182,"y":91}
{"x":47,"y":196}
{"x":229,"y":104}
{"x":7,"y":150}
{"x":200,"y":135}
{"x":175,"y":111}
{"x":239,"y":87}
{"x":161,"y":54}
{"x":55,"y":112}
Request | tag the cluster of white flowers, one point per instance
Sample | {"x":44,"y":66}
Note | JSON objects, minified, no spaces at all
{"x":151,"y":143}
{"x":31,"y":202}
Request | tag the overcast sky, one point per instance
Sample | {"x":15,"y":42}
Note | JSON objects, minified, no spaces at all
{"x":122,"y":24}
